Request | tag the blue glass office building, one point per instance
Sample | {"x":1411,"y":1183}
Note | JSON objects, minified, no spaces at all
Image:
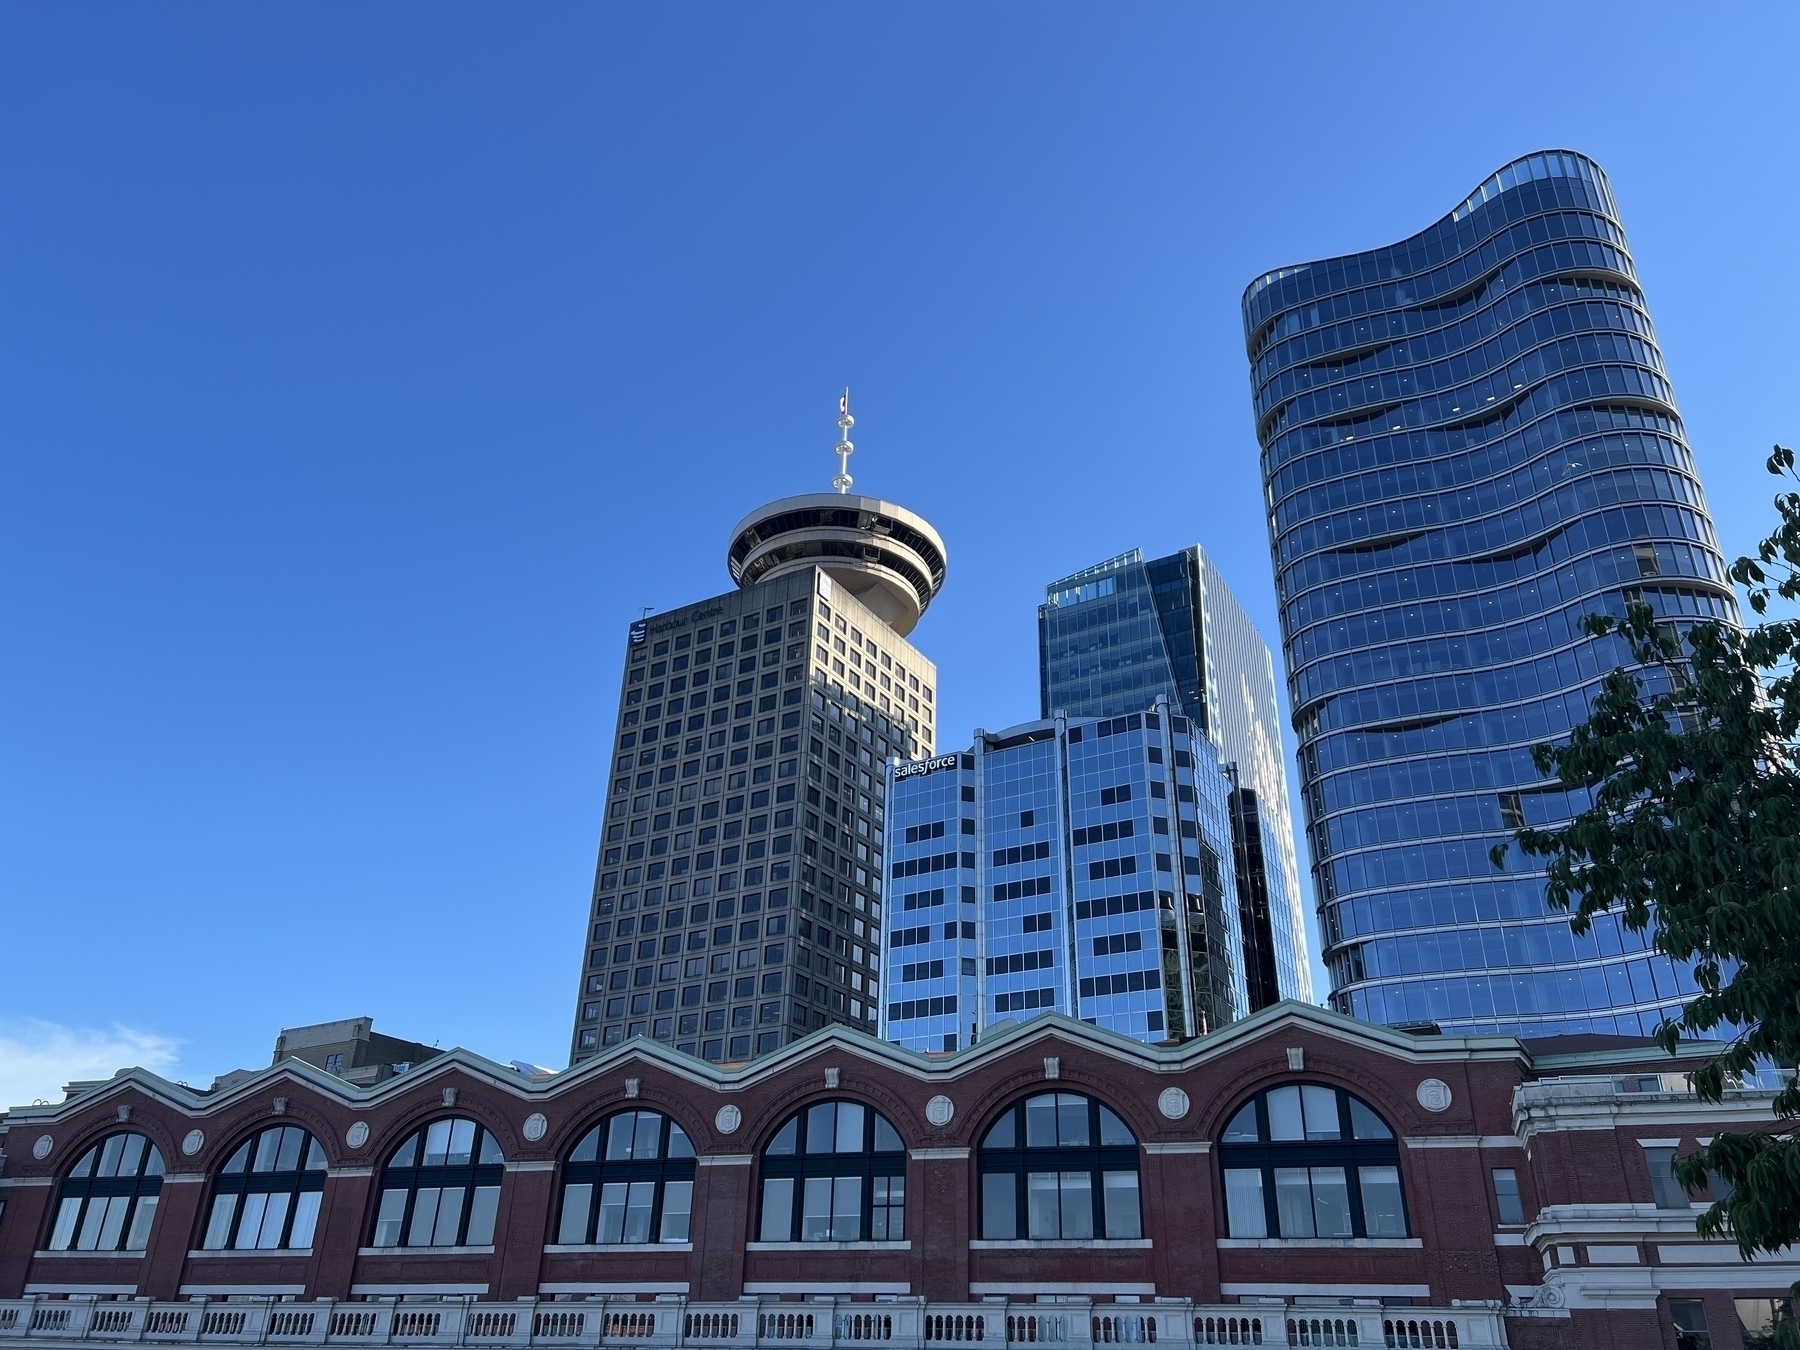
{"x":1114,"y":637}
{"x":1081,"y":866}
{"x":1469,"y":442}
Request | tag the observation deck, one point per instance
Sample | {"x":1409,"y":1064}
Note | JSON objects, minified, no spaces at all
{"x":890,"y":559}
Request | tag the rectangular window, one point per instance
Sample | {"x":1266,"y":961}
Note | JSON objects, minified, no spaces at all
{"x":1758,"y":1319}
{"x":887,"y":1211}
{"x":388,"y":1220}
{"x":1507,"y":1203}
{"x":1383,"y":1214}
{"x":1043,"y":1218}
{"x":678,"y":1206}
{"x":306,"y":1219}
{"x":1293,"y":1201}
{"x":64,"y":1233}
{"x":778,"y":1209}
{"x":999,"y":1200}
{"x":449,"y":1217}
{"x":1668,"y":1191}
{"x":1077,"y":1204}
{"x":1691,"y":1331}
{"x":218,"y":1227}
{"x":1123,"y":1215}
{"x":141,"y":1218}
{"x":483,"y":1207}
{"x":1244,"y":1202}
{"x":639,"y":1201}
{"x":612,"y":1212}
{"x":578,"y":1200}
{"x":846,"y":1209}
{"x":1331,"y":1201}
{"x":815,"y":1210}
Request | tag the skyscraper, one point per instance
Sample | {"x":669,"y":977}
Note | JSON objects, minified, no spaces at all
{"x":1114,"y":637}
{"x":1080,"y":866}
{"x":1469,"y":442}
{"x":737,"y":899}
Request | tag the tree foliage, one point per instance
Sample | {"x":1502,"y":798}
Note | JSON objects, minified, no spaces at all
{"x":1692,"y":829}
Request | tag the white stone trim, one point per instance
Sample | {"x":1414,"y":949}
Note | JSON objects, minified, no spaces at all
{"x":1718,"y":1254}
{"x":619,"y":1247}
{"x":824,"y":1287}
{"x":1306,"y":1244}
{"x":1462,"y":1141}
{"x":264,"y":1290}
{"x":1180,"y":1146}
{"x":55,"y":1288}
{"x":1058,"y":1244}
{"x":828,"y":1246}
{"x":531,"y":1166}
{"x":1060,"y":1287}
{"x":86,"y":1256}
{"x":1284,"y":1289}
{"x":426,"y":1251}
{"x":233,"y":1253}
{"x":725,"y":1159}
{"x":927,"y":1154}
{"x":614,"y":1287}
{"x":418,"y":1288}
{"x":1659,"y":1143}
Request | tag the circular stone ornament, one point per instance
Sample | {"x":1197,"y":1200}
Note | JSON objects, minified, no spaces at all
{"x":358,"y":1134}
{"x":940,"y":1111}
{"x":192,"y":1142}
{"x":1434,"y":1095}
{"x":40,"y":1149}
{"x":728,"y":1119}
{"x":1173,"y":1103}
{"x":535,"y":1125}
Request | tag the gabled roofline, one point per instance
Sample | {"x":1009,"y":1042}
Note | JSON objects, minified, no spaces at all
{"x":1002,"y":1040}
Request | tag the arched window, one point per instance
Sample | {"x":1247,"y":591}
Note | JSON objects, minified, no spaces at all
{"x":1059,"y":1165}
{"x":641,"y":1164}
{"x":267,"y":1194}
{"x":835,"y":1172}
{"x":441,"y":1188}
{"x":109,"y":1197}
{"x":1304,"y":1161}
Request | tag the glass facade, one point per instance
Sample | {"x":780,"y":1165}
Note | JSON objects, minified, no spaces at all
{"x":1469,"y":442}
{"x":1079,"y":866}
{"x":1116,"y":636}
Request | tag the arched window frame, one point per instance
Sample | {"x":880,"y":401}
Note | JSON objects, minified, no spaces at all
{"x":414,"y":1188}
{"x":109,"y":1197}
{"x":1021,"y":1173}
{"x":812,"y":1189}
{"x":267,"y":1195}
{"x":1365,"y":1155}
{"x":627,"y":1159}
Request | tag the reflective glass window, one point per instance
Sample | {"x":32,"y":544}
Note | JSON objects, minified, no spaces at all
{"x":1306,"y":1160}
{"x":1059,"y":1166}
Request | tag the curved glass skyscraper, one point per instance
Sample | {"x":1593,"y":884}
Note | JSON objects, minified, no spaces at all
{"x":1468,"y":442}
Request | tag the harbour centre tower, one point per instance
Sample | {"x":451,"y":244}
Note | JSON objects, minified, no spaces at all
{"x":1469,"y":442}
{"x":737,"y":899}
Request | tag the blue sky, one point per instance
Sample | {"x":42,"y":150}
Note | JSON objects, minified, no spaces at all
{"x":365,"y":370}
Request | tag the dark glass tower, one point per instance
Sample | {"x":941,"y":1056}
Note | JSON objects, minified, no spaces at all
{"x":1469,"y":442}
{"x":1115,"y":637}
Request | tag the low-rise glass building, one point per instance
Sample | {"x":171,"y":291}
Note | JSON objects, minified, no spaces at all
{"x":1080,"y":866}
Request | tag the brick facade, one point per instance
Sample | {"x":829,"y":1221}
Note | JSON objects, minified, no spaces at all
{"x":1593,"y":1265}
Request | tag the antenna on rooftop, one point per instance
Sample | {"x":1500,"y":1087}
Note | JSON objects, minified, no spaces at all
{"x":843,"y":449}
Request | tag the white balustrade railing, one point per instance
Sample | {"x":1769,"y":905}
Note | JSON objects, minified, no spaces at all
{"x":747,"y":1324}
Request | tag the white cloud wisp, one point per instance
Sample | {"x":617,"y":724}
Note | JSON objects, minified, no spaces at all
{"x":38,"y":1057}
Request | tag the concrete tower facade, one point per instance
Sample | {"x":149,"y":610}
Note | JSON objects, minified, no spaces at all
{"x":737,"y":900}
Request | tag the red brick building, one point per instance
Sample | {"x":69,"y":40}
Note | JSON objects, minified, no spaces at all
{"x":1297,"y":1178}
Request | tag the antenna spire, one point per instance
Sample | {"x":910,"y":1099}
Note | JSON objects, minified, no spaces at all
{"x":843,"y":448}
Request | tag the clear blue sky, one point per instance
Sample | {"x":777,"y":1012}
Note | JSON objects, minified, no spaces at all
{"x":365,"y":369}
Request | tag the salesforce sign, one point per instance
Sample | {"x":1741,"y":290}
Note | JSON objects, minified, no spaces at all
{"x":919,"y":768}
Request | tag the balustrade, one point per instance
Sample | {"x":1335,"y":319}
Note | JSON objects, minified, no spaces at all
{"x":674,"y":1324}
